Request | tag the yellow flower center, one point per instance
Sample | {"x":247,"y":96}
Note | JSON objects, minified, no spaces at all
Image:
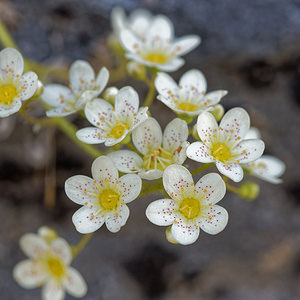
{"x":118,"y":130}
{"x":109,"y":199}
{"x":156,"y":57}
{"x":56,"y":267}
{"x":185,"y":106}
{"x":158,"y":159}
{"x":7,"y":94}
{"x":190,"y":208}
{"x":221,"y":152}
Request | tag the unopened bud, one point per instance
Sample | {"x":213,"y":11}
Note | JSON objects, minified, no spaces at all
{"x":218,"y":112}
{"x":48,"y":234}
{"x":195,"y":133}
{"x":39,"y":89}
{"x":110,"y":94}
{"x":169,"y":236}
{"x":248,"y":190}
{"x":136,"y":70}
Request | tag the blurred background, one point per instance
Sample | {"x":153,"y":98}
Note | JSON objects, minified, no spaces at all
{"x":251,"y":49}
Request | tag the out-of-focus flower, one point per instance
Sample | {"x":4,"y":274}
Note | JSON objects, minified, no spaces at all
{"x":84,"y":87}
{"x":150,"y":40}
{"x":104,"y":197}
{"x":48,"y":266}
{"x":192,"y":206}
{"x":112,"y":123}
{"x":189,"y":97}
{"x":225,"y":144}
{"x":14,"y":87}
{"x":158,"y":150}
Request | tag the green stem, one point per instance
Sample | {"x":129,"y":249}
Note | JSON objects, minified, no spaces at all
{"x":34,"y":121}
{"x":80,"y":246}
{"x":232,"y":188}
{"x":5,"y":38}
{"x":200,"y":169}
{"x":151,"y":92}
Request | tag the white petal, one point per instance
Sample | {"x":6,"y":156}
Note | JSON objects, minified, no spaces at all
{"x":249,"y":150}
{"x":214,"y":97}
{"x":165,"y":85}
{"x":74,"y":283}
{"x":252,"y":134}
{"x":185,"y":44}
{"x":111,"y":141}
{"x":118,"y":19}
{"x":81,"y":74}
{"x":33,"y":245}
{"x":11,"y":62}
{"x":129,"y":41}
{"x":193,"y":79}
{"x":232,"y":170}
{"x":85,"y":221}
{"x":81,"y":189}
{"x":185,"y":234}
{"x":103,"y":169}
{"x":98,"y":112}
{"x":147,"y":136}
{"x":170,"y":103}
{"x":171,"y":65}
{"x":139,"y":21}
{"x":29,"y":274}
{"x":53,"y":290}
{"x":126,"y":161}
{"x":161,"y":212}
{"x":211,"y":187}
{"x":160,"y":27}
{"x":28,"y":85}
{"x":91,"y":135}
{"x":85,"y":97}
{"x":114,"y":221}
{"x":7,"y":110}
{"x":151,"y":174}
{"x":236,"y":123}
{"x":60,"y":247}
{"x":55,"y":94}
{"x":178,"y":182}
{"x":179,"y":156}
{"x":215,"y":220}
{"x":140,"y":117}
{"x":207,"y":126}
{"x":60,"y":111}
{"x":127,"y":102}
{"x":175,"y":134}
{"x":130,"y":186}
{"x":199,"y":152}
{"x":101,"y":80}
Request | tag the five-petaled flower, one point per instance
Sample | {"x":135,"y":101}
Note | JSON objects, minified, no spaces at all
{"x":48,"y":266}
{"x":189,"y":97}
{"x":225,"y":144}
{"x":158,"y":150}
{"x":192,"y":205}
{"x":104,"y":197}
{"x":84,"y":87}
{"x":112,"y":123}
{"x":14,"y":87}
{"x":157,"y":47}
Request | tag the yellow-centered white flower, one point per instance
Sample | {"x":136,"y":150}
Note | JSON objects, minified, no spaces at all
{"x":191,"y":207}
{"x":158,"y":150}
{"x":225,"y":144}
{"x":112,"y":124}
{"x":48,"y":266}
{"x":150,"y":41}
{"x":15,"y":86}
{"x":190,"y":96}
{"x":104,"y":197}
{"x":84,"y":86}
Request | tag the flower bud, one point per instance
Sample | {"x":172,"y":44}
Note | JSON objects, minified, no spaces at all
{"x":218,"y":112}
{"x":195,"y":133}
{"x":136,"y":70}
{"x":248,"y":190}
{"x":39,"y":89}
{"x":169,"y":236}
{"x":47,"y":233}
{"x":110,"y":94}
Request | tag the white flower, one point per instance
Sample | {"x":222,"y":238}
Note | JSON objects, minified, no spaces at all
{"x":154,"y":44}
{"x":48,"y":266}
{"x":192,"y":206}
{"x":83,"y":88}
{"x":103,"y":198}
{"x":112,"y":123}
{"x":224,"y":144}
{"x":158,"y":150}
{"x":14,"y":87}
{"x":268,"y":168}
{"x":189,"y":97}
